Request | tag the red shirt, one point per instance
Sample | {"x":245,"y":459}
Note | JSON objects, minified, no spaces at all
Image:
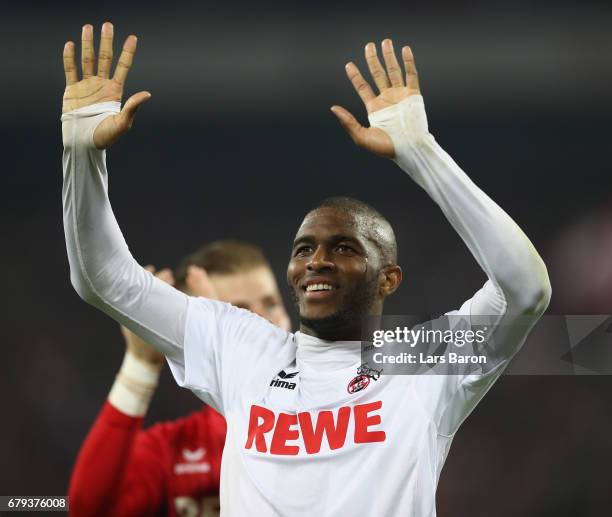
{"x":172,"y":468}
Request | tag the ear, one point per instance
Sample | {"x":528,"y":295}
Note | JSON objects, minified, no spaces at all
{"x":390,"y":279}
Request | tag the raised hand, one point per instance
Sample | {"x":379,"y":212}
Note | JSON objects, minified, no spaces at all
{"x":198,"y":283}
{"x":393,"y":88}
{"x":95,"y":88}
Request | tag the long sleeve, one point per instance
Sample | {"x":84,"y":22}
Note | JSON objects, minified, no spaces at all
{"x":499,"y":246}
{"x":204,"y":341}
{"x":102,"y":269}
{"x":517,"y":291}
{"x":115,"y":472}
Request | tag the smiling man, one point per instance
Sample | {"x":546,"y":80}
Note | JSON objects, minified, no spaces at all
{"x":310,"y":430}
{"x":343,"y":250}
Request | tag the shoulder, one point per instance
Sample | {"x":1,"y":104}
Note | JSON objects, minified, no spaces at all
{"x":205,"y":314}
{"x":204,"y":422}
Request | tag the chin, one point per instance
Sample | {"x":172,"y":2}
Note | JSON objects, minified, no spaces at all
{"x":318,"y":313}
{"x":340,"y":324}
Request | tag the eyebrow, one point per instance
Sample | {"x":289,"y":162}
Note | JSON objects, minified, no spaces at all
{"x":308,"y":239}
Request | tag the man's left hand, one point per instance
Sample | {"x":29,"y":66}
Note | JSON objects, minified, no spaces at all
{"x":393,"y":88}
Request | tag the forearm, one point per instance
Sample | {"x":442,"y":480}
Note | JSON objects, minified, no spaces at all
{"x":134,"y":386}
{"x":101,"y":464}
{"x":114,"y":474}
{"x":518,"y":289}
{"x":102,"y":269}
{"x":500,"y":247}
{"x":97,"y":483}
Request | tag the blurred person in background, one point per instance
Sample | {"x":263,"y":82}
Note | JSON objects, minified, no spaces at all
{"x":172,"y":468}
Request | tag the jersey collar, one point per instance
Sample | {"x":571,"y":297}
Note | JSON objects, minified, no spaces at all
{"x":317,"y":354}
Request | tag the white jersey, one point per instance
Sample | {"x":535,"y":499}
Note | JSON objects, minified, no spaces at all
{"x":299,"y":442}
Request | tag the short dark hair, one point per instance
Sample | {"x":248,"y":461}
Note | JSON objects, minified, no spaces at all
{"x":224,"y":257}
{"x":380,"y":230}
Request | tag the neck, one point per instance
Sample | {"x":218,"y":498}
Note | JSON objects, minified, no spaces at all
{"x":342,"y":326}
{"x":331,"y":334}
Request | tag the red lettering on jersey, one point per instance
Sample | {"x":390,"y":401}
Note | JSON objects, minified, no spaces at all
{"x":257,"y":430}
{"x":262,"y":421}
{"x":282,"y":433}
{"x":363,"y":421}
{"x":336,"y":435}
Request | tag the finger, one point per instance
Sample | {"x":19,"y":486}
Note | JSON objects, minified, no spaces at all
{"x":376,"y":70}
{"x":150,"y":268}
{"x":196,"y":275}
{"x":393,"y":69}
{"x":349,"y":123}
{"x":361,"y":86}
{"x":131,"y":106}
{"x":70,"y":64}
{"x":126,"y":333}
{"x":88,"y":57}
{"x":125,"y":59}
{"x":412,"y":76}
{"x":105,"y":56}
{"x":166,"y":275}
{"x":198,"y":283}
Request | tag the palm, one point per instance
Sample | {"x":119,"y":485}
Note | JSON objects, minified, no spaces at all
{"x":96,"y":88}
{"x":393,"y":89}
{"x":91,"y":91}
{"x":388,"y":97}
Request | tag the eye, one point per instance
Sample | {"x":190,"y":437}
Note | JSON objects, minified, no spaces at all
{"x":345,"y":249}
{"x":301,"y":251}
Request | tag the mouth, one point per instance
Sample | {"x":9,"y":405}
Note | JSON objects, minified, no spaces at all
{"x":316,"y":289}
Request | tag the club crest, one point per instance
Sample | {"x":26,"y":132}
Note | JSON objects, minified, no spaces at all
{"x":364,"y":375}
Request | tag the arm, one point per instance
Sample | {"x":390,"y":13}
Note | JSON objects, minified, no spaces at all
{"x":109,"y":462}
{"x":111,"y":455}
{"x":518,"y":290}
{"x":399,"y":131}
{"x":102,"y":269}
{"x":205,"y":341}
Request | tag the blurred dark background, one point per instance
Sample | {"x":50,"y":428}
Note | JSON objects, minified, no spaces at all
{"x":238,"y":141}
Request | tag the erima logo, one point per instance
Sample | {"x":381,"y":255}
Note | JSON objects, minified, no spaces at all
{"x":195,"y":455}
{"x":194,"y":465}
{"x":278,"y":383}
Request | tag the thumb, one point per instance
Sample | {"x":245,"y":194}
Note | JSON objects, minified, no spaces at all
{"x":131,"y":106}
{"x":349,"y":122}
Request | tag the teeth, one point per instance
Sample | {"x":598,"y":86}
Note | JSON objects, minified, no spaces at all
{"x":319,"y":287}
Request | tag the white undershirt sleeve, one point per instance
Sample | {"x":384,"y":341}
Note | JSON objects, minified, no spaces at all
{"x":102,"y":269}
{"x":517,"y":290}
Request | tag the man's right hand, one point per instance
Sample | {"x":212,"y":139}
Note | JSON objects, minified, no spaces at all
{"x":93,"y":89}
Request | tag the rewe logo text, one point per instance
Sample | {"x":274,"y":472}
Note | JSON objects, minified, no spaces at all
{"x":271,"y":433}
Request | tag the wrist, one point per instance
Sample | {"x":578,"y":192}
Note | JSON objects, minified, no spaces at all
{"x":403,"y":122}
{"x":134,"y":385}
{"x":79,"y":125}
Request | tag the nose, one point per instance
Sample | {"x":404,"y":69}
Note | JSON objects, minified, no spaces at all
{"x":319,"y":260}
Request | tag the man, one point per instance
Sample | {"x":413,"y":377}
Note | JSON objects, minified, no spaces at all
{"x":298,"y":441}
{"x":172,"y":468}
